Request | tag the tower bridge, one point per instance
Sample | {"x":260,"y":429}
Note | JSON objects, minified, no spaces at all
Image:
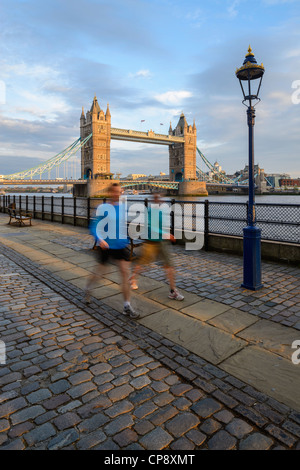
{"x":94,"y":142}
{"x":95,"y":155}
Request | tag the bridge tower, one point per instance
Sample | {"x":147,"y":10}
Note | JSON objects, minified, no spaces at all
{"x":95,"y":155}
{"x":182,"y":156}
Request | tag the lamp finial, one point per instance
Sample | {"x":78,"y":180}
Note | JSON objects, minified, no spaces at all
{"x":250,"y":53}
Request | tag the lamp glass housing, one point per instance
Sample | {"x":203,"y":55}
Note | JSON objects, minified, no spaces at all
{"x":250,"y":77}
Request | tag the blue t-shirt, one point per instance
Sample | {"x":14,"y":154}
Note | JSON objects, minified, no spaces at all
{"x":110,"y":225}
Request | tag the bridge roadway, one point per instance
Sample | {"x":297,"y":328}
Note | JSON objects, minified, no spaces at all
{"x":148,"y":137}
{"x":125,"y":183}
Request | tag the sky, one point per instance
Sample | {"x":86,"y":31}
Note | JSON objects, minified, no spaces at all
{"x":150,"y":60}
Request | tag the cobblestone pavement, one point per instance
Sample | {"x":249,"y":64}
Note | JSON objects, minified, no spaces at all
{"x":218,"y":276}
{"x":79,"y":377}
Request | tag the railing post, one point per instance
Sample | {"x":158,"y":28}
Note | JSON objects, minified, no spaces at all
{"x":34,"y":207}
{"x":42,"y":207}
{"x":26,"y":202}
{"x":206,"y":224}
{"x":14,"y":199}
{"x":88,"y":210}
{"x":20,"y":202}
{"x":172,"y":221}
{"x":62,"y":209}
{"x":52,"y":207}
{"x":74,"y":210}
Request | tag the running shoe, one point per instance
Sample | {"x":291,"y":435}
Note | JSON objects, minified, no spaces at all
{"x":175,"y":295}
{"x":129,"y":312}
{"x":133,"y":283}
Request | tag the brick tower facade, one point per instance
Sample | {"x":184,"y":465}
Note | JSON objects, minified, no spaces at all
{"x":95,"y":155}
{"x":182,"y":157}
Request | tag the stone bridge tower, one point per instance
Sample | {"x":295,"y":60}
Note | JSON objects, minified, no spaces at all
{"x":182,"y":157}
{"x":95,"y":155}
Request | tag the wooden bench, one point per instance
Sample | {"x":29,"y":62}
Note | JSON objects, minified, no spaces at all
{"x":19,"y":216}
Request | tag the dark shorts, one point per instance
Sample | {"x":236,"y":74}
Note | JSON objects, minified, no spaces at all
{"x":104,"y":255}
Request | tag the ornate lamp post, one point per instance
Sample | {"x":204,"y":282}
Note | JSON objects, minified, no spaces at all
{"x":250,"y":76}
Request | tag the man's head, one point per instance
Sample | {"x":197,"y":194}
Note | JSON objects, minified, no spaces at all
{"x":115,"y":191}
{"x":156,"y":198}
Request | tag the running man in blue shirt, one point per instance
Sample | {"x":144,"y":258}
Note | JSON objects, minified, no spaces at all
{"x":110,"y":232}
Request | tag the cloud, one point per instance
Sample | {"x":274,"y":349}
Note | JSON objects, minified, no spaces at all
{"x":141,"y":74}
{"x":171,"y":98}
{"x":282,"y":99}
{"x":232,"y":9}
{"x":293,"y":53}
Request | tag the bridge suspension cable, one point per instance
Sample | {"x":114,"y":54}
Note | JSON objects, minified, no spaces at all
{"x":220,"y":176}
{"x":55,"y":161}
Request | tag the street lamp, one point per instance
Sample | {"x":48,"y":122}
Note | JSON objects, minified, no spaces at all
{"x":250,"y":76}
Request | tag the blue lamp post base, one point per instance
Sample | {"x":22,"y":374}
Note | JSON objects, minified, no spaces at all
{"x":252,"y":258}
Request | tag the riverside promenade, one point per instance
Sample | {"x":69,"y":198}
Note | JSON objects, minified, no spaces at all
{"x":211,"y":372}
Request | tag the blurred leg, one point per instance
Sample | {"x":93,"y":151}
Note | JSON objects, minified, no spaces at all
{"x":170,"y":271}
{"x":124,"y":269}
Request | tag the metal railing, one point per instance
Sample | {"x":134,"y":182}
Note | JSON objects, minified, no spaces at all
{"x":278,"y":222}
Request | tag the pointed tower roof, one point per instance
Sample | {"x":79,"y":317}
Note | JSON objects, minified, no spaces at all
{"x":107,"y":111}
{"x":194,"y":125}
{"x":95,"y":108}
{"x":182,"y":121}
{"x":82,"y":112}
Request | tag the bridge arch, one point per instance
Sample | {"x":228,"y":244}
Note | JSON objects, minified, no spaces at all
{"x":178,"y":177}
{"x":88,"y":174}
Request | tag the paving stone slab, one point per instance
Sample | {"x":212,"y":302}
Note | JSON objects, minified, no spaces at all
{"x":81,"y":282}
{"x":105,"y":291}
{"x":73,"y":273}
{"x":205,"y":309}
{"x":233,"y":321}
{"x":269,"y":373}
{"x":38,"y":256}
{"x":204,"y":340}
{"x":59,"y":266}
{"x":271,"y":336}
